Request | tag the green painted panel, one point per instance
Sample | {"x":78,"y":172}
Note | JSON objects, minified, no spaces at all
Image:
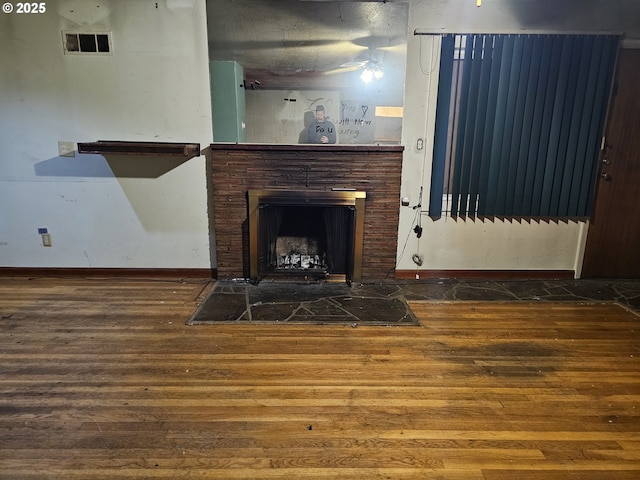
{"x":228,"y":102}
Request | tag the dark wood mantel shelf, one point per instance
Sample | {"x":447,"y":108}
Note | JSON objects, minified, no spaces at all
{"x":334,"y":148}
{"x":103,"y":147}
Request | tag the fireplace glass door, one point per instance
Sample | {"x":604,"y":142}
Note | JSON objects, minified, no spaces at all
{"x":314,"y":241}
{"x":307,"y":234}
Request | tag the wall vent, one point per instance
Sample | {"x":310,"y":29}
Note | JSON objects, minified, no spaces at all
{"x":94,"y":43}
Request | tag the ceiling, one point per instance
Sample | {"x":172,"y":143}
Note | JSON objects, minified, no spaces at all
{"x":306,"y":44}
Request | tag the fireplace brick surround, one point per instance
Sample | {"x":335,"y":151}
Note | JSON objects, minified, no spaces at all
{"x":234,"y":169}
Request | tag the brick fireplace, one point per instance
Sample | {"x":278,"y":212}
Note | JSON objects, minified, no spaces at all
{"x":331,"y":175}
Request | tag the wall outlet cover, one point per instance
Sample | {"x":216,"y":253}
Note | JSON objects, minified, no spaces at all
{"x":66,"y":149}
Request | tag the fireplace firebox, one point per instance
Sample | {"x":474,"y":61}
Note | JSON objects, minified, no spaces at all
{"x":315,"y":234}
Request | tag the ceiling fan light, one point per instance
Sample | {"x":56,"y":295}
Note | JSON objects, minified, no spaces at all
{"x":367,"y":75}
{"x":371,"y":73}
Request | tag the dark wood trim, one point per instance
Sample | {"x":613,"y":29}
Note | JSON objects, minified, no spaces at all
{"x":307,"y":147}
{"x":486,"y":274}
{"x":104,"y":147}
{"x":109,"y":272}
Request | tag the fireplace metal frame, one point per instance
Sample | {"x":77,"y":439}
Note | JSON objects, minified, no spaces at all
{"x":355,"y":199}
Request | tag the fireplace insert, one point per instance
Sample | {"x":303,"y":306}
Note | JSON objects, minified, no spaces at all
{"x":315,"y":235}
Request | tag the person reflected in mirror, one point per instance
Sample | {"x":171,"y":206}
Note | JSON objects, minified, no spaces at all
{"x":309,"y":117}
{"x":321,"y":130}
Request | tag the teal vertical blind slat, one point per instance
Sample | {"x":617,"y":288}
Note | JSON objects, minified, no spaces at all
{"x":594,"y":59}
{"x":563,"y":160}
{"x":551,"y":165}
{"x":465,"y":111}
{"x":579,"y":111}
{"x":482,"y":73}
{"x":524,"y":47}
{"x":473,"y":64}
{"x":534,"y":159}
{"x":528,"y":114}
{"x":489,"y":117}
{"x":607,"y":65}
{"x":511,"y":67}
{"x":531,"y":71}
{"x":497,"y":121}
{"x":445,"y":80}
{"x":546,"y":122}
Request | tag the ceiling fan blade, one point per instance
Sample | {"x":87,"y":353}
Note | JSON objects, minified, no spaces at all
{"x":357,"y":64}
{"x":343,"y":69}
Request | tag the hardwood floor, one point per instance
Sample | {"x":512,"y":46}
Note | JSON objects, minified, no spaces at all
{"x":102,"y":379}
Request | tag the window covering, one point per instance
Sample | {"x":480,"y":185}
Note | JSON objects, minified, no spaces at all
{"x":519,"y":123}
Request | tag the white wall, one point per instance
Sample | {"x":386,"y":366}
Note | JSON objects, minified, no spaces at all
{"x":128,"y":212}
{"x":449,"y":244}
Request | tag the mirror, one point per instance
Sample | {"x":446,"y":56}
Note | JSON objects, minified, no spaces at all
{"x":296,"y":55}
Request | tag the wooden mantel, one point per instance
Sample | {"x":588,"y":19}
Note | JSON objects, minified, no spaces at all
{"x":333,"y":148}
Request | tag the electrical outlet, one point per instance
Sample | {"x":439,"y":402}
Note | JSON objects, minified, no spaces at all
{"x":46,"y":240}
{"x":66,"y":149}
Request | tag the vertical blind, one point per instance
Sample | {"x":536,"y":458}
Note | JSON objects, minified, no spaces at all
{"x":519,"y":123}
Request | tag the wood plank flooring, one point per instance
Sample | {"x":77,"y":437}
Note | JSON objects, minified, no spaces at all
{"x":102,"y":379}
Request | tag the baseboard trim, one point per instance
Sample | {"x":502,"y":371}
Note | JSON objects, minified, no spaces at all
{"x":212,"y":273}
{"x":109,"y":272}
{"x":485,"y":274}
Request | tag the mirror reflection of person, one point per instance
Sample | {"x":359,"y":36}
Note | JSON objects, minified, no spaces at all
{"x":309,"y":117}
{"x":321,"y":130}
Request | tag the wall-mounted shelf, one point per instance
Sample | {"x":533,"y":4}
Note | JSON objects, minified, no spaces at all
{"x":102,"y":147}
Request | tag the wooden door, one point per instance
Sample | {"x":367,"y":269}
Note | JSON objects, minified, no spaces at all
{"x":613,"y":242}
